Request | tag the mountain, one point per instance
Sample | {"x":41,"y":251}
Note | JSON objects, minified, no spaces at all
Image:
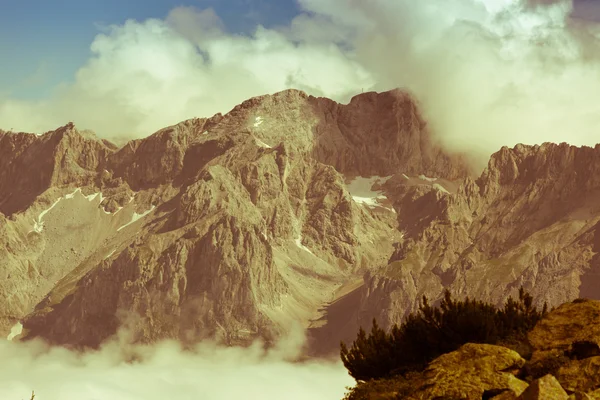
{"x":235,"y":227}
{"x":531,"y":219}
{"x":289,"y":209}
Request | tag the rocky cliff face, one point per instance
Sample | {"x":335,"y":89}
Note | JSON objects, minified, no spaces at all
{"x":234,"y":227}
{"x":530,"y":219}
{"x":380,"y":134}
{"x":287,"y":209}
{"x":30,"y":164}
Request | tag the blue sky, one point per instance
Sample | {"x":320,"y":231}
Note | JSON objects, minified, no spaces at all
{"x":44,"y":42}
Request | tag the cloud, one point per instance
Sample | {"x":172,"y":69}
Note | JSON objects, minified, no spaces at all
{"x":165,"y":371}
{"x":487,"y":72}
{"x":146,"y":75}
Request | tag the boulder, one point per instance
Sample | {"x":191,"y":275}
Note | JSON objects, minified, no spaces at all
{"x":580,"y":375}
{"x":545,"y":388}
{"x":573,"y":327}
{"x":470,"y":372}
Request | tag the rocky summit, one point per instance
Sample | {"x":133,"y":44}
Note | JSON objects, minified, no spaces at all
{"x":287,"y":210}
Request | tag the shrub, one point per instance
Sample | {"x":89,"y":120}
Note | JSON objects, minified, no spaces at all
{"x":370,"y":355}
{"x":580,"y":300}
{"x":433,"y":331}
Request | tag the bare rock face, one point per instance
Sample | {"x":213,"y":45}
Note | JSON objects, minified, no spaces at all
{"x":531,"y":219}
{"x":31,"y":164}
{"x":235,"y":227}
{"x":365,"y":138}
{"x":471,"y":372}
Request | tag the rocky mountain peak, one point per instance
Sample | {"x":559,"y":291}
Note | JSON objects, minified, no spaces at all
{"x":380,"y":134}
{"x":576,"y":168}
{"x":33,"y":164}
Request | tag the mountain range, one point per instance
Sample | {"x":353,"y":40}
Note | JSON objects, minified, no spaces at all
{"x":290,"y":210}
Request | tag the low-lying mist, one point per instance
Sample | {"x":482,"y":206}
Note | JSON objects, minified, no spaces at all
{"x":166,"y":371}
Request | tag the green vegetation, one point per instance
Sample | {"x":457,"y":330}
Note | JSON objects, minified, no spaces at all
{"x":381,"y":361}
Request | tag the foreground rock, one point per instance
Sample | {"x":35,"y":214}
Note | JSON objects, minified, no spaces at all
{"x":545,"y":388}
{"x":569,"y":328}
{"x":471,"y":372}
{"x":571,"y":335}
{"x":558,"y":366}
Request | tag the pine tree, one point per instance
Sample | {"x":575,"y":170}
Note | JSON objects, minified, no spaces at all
{"x":433,"y":331}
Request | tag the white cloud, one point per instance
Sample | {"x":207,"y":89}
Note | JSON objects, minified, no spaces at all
{"x":487,"y":72}
{"x":147,"y":75}
{"x":164,"y":371}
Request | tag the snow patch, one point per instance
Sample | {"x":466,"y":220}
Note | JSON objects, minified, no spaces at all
{"x":362,"y":193}
{"x":301,"y":246}
{"x":38,"y":225}
{"x":258,"y":121}
{"x":440,"y":188}
{"x":91,"y":197}
{"x":110,"y":254}
{"x":426,"y":178}
{"x":262,"y":144}
{"x":71,"y":195}
{"x":48,"y":210}
{"x":136,"y":217}
{"x":15,"y":331}
{"x":368,"y":201}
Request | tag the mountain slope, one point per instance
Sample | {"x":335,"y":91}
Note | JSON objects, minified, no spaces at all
{"x":531,"y":219}
{"x":235,"y":226}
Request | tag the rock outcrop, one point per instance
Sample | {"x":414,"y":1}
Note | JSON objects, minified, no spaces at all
{"x":471,"y":372}
{"x":32,"y":164}
{"x":557,"y":369}
{"x":546,"y":387}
